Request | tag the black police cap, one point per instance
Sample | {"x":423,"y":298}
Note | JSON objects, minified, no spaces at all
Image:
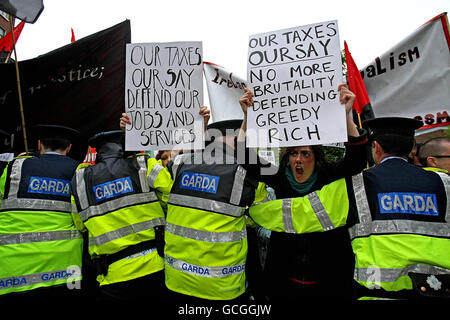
{"x":222,"y":126}
{"x":391,"y":125}
{"x":44,"y":131}
{"x":103,"y":137}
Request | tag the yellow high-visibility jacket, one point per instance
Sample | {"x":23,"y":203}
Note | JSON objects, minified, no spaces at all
{"x":400,"y":232}
{"x":120,"y":212}
{"x":39,"y":243}
{"x":205,"y":236}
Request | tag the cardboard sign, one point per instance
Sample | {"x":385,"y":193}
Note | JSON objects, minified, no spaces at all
{"x":294,"y":74}
{"x":163,"y":96}
{"x":224,"y":91}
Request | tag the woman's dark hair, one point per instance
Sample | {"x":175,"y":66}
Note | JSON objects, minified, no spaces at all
{"x":319,"y":156}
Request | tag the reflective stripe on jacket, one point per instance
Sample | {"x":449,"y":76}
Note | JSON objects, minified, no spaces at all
{"x":385,"y":250}
{"x":39,"y":243}
{"x":118,"y":211}
{"x":206,"y":238}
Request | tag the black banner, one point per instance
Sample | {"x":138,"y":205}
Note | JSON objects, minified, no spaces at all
{"x":80,"y":85}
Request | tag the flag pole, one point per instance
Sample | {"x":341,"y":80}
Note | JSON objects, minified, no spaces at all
{"x":359,"y":120}
{"x":19,"y":91}
{"x":7,"y":58}
{"x":359,"y":116}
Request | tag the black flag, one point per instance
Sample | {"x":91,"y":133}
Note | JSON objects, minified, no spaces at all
{"x":80,"y":85}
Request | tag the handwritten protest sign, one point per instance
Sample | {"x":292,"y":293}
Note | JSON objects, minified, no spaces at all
{"x":224,"y":91}
{"x":294,"y":74}
{"x":163,"y":96}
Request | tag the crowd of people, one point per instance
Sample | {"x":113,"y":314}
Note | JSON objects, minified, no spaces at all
{"x":192,"y":229}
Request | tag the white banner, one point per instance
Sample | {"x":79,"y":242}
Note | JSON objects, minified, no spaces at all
{"x":224,"y":91}
{"x":163,"y":96}
{"x":412,"y":79}
{"x":294,"y":74}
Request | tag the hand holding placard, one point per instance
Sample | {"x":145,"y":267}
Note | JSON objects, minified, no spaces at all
{"x":294,"y":74}
{"x":163,"y":96}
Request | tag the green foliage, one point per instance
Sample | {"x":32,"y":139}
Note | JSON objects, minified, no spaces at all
{"x":333,"y":154}
{"x":447,"y":132}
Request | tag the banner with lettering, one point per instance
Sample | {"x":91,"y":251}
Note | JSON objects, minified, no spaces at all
{"x":412,"y":79}
{"x":224,"y":91}
{"x":294,"y":74}
{"x":164,"y":94}
{"x":79,"y":85}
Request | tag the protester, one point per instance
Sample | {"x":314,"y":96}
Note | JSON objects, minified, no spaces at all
{"x":41,"y":249}
{"x":435,"y":153}
{"x":395,"y":213}
{"x":165,"y":156}
{"x":297,"y":265}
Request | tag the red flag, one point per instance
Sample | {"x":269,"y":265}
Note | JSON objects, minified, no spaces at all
{"x":6,"y":42}
{"x":73,"y":36}
{"x":355,"y":82}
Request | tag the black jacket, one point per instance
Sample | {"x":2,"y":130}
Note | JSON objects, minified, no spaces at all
{"x":46,"y":166}
{"x":316,"y":265}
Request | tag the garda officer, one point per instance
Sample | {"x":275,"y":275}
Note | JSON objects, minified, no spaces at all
{"x":123,"y":219}
{"x":205,"y":236}
{"x":40,"y":248}
{"x":398,"y":217}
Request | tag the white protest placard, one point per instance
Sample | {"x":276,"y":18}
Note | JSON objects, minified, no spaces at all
{"x":269,"y":156}
{"x":294,"y":74}
{"x":224,"y":91}
{"x":412,"y":79}
{"x":163,"y":96}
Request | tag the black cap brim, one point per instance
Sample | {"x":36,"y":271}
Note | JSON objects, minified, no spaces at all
{"x":233,"y":124}
{"x":103,"y":137}
{"x":392,"y":125}
{"x":42,"y":131}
